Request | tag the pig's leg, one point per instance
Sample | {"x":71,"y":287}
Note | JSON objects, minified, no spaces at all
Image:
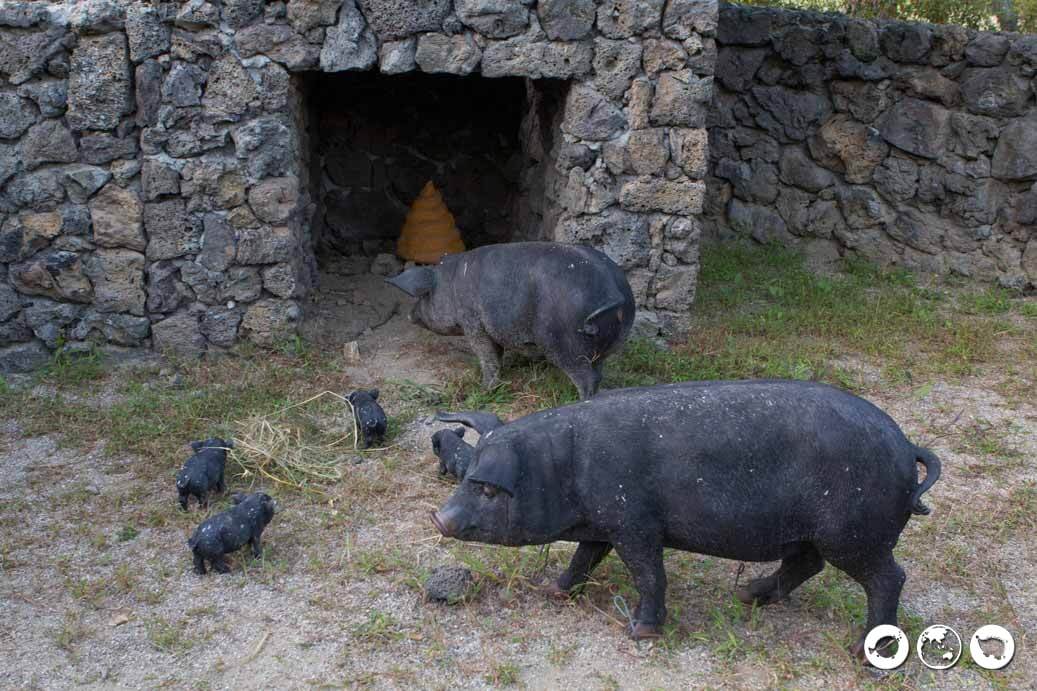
{"x":199,"y":564}
{"x":882,"y":580}
{"x":257,"y":547}
{"x":219,"y":565}
{"x":644,"y":559}
{"x":794,"y":571}
{"x":587,"y":556}
{"x":488,"y":353}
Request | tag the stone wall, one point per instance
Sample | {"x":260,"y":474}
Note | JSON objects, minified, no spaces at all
{"x":154,"y":157}
{"x":908,"y":144}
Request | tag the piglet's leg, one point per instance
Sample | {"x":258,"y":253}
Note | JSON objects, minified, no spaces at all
{"x":199,"y":565}
{"x":219,"y":565}
{"x":489,"y":354}
{"x":257,"y":547}
{"x":644,"y":559}
{"x":588,"y":555}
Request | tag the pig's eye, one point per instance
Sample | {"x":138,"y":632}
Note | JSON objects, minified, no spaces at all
{"x":489,"y":491}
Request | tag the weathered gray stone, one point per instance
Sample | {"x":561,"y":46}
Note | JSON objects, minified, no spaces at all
{"x":458,"y":54}
{"x":275,"y":88}
{"x":219,"y":325}
{"x":14,"y":331}
{"x":25,"y":54}
{"x":863,"y":208}
{"x":626,"y":18}
{"x":117,"y":215}
{"x":284,"y":280}
{"x":683,"y":197}
{"x":681,"y":99}
{"x":897,"y":178}
{"x":26,"y":234}
{"x":903,"y":42}
{"x":120,"y":329}
{"x":306,"y":15}
{"x":49,"y":320}
{"x":688,"y":148}
{"x":230,"y":89}
{"x":493,"y":18}
{"x":23,"y":357}
{"x":180,"y":334}
{"x":9,"y":162}
{"x":1016,"y":155}
{"x":165,"y":291}
{"x":448,"y":584}
{"x":528,"y":56}
{"x":266,"y":245}
{"x":590,"y":115}
{"x":82,"y":181}
{"x":99,"y":87}
{"x":53,"y":273}
{"x":396,"y":19}
{"x":997,"y":91}
{"x":203,"y":283}
{"x":261,"y":38}
{"x":351,"y":44}
{"x":798,"y":45}
{"x":847,"y":146}
{"x":789,"y":114}
{"x":987,"y":49}
{"x":202,"y":137}
{"x":807,"y":216}
{"x":396,"y":57}
{"x":118,"y":279}
{"x":270,"y":320}
{"x":639,"y":103}
{"x":96,"y":16}
{"x":240,"y":13}
{"x":147,"y":34}
{"x":159,"y":177}
{"x":241,"y":284}
{"x":917,"y":126}
{"x":757,"y":222}
{"x":48,"y":142}
{"x":183,"y":85}
{"x":10,"y":302}
{"x":197,"y":14}
{"x":621,"y":235}
{"x":864,"y":100}
{"x":99,"y":149}
{"x":218,"y":243}
{"x":918,"y":229}
{"x":42,"y":190}
{"x":675,"y":287}
{"x":661,"y":54}
{"x":148,"y":77}
{"x":798,"y":169}
{"x":685,"y":18}
{"x":266,"y":145}
{"x":273,"y":200}
{"x":929,"y":83}
{"x":16,"y":115}
{"x":51,"y":97}
{"x":744,"y":26}
{"x":616,"y":62}
{"x":170,"y":230}
{"x":566,"y":20}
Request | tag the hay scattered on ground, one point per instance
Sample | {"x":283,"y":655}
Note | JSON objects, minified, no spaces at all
{"x":282,"y":448}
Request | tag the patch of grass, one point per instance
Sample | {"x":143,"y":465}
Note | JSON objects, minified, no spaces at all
{"x":127,"y":533}
{"x":73,"y":369}
{"x":71,"y":632}
{"x":379,"y":628}
{"x":503,"y":674}
{"x":168,"y":637}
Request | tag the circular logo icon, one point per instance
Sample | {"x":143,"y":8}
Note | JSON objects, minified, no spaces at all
{"x":992,"y":647}
{"x":880,"y":641}
{"x":939,"y":647}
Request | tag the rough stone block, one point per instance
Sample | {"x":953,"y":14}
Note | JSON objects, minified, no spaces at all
{"x":118,"y":216}
{"x":458,"y":54}
{"x":681,"y":99}
{"x":683,"y":197}
{"x":100,"y":86}
{"x":351,"y":44}
{"x":118,"y":279}
{"x":566,"y":20}
{"x":271,"y":320}
{"x":180,"y":333}
{"x":53,"y":273}
{"x":266,"y":245}
{"x":171,"y":231}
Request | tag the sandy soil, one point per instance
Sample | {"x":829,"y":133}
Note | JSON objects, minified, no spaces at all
{"x":96,"y":587}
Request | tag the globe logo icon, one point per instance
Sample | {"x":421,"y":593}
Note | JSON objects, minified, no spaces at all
{"x":992,"y":647}
{"x":939,"y":647}
{"x":886,"y":647}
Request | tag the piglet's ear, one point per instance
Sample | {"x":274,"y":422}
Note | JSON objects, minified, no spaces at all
{"x":197,"y":445}
{"x":459,"y":431}
{"x":373,"y":393}
{"x":416,"y":282}
{"x":498,"y":466}
{"x":480,"y":421}
{"x":237,"y":497}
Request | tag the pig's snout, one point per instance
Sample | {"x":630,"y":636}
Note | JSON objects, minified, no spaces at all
{"x":444,"y":522}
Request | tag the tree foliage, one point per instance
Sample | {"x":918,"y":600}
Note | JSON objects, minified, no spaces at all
{"x":986,"y":15}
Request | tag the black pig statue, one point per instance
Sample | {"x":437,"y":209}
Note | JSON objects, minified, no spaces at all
{"x":370,"y":418}
{"x":203,"y":472}
{"x":230,"y":530}
{"x":746,"y":470}
{"x":569,"y":302}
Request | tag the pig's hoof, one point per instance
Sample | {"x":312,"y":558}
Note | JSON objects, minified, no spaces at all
{"x":555,"y":591}
{"x":746,"y":596}
{"x":642,"y":632}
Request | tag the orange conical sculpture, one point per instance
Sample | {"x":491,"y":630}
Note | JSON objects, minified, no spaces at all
{"x":429,"y":231}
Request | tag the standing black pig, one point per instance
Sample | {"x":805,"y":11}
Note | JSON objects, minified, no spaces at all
{"x":746,"y":470}
{"x":203,"y":472}
{"x":570,"y":302}
{"x":228,"y":531}
{"x":370,"y":418}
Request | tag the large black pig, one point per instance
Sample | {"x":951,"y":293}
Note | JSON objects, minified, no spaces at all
{"x":569,"y":302}
{"x":746,"y":470}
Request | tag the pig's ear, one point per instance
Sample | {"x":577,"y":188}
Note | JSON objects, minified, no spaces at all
{"x":497,"y":465}
{"x":459,"y":431}
{"x":373,"y":393}
{"x":416,"y":282}
{"x":479,"y":421}
{"x":197,"y":445}
{"x":237,"y":497}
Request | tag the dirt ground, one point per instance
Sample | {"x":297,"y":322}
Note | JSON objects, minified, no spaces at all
{"x":96,"y":587}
